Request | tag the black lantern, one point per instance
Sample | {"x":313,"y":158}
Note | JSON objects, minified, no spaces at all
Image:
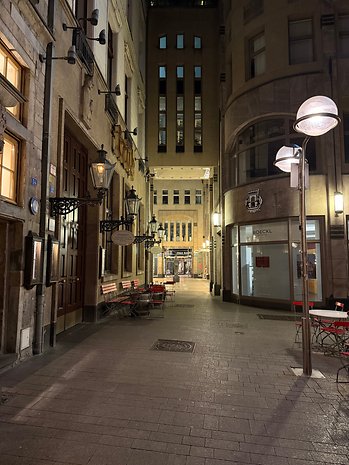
{"x":132,"y":202}
{"x":153,"y":225}
{"x":131,"y":206}
{"x":101,"y":173}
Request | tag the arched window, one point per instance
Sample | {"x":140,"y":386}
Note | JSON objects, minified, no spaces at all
{"x":255,"y":148}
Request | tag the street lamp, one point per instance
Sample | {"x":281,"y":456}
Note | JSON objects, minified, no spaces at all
{"x":315,"y":117}
{"x":132,"y":202}
{"x":101,"y":174}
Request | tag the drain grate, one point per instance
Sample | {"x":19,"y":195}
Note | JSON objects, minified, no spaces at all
{"x":171,"y":345}
{"x":277,"y":317}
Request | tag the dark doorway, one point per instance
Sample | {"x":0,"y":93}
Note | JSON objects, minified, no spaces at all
{"x":72,"y":236}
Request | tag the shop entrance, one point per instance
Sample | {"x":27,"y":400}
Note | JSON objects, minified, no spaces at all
{"x":178,"y":262}
{"x":72,"y":237}
{"x":11,"y":233}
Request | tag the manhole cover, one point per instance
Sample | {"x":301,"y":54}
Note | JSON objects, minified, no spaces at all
{"x":278,"y":317}
{"x":170,"y":345}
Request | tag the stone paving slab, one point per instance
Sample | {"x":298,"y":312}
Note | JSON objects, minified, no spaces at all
{"x":104,"y":397}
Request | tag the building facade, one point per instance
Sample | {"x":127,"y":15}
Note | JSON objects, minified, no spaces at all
{"x":183,"y":130}
{"x":72,"y":89}
{"x":277,"y":55}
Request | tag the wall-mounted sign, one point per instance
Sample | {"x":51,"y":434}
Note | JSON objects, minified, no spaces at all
{"x":34,"y":182}
{"x":156,"y":249}
{"x":262,"y":262}
{"x":253,"y":201}
{"x":122,"y":237}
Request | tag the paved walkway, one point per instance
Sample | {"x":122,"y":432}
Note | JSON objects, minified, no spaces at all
{"x":103,"y":397}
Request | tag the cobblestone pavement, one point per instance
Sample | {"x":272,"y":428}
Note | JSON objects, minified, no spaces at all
{"x":104,"y":397}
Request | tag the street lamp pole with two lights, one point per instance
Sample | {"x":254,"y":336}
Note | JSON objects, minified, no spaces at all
{"x":315,"y":117}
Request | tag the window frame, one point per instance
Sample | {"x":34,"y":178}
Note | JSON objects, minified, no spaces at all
{"x":180,"y":43}
{"x":294,"y":41}
{"x":195,"y":40}
{"x":15,"y":172}
{"x":15,"y":88}
{"x":253,"y":54}
{"x":163,"y":38}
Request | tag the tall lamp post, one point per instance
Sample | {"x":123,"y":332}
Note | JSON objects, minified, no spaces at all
{"x":315,"y":117}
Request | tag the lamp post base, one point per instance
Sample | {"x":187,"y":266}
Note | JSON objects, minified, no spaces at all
{"x":306,"y":340}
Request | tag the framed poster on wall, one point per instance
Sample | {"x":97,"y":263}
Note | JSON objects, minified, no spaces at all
{"x":33,"y":260}
{"x":52,"y":270}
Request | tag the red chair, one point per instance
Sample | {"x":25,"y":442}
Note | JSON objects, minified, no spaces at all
{"x":158,"y":295}
{"x":338,"y":335}
{"x":343,"y":355}
{"x":298,"y":303}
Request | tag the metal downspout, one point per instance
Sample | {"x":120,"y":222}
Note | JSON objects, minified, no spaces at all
{"x":40,"y":288}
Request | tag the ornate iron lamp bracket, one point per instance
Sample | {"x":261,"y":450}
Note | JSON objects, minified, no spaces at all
{"x":65,"y":205}
{"x":139,"y":239}
{"x":110,"y":225}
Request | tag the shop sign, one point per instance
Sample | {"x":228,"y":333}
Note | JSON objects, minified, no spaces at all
{"x":156,"y":249}
{"x":253,"y":201}
{"x":122,"y":237}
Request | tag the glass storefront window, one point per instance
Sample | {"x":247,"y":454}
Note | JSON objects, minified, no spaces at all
{"x":314,"y":271}
{"x":235,"y":260}
{"x":265,"y":271}
{"x":313,"y":230}
{"x":264,"y":232}
{"x":262,"y":267}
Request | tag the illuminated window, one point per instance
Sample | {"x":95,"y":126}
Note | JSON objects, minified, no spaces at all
{"x":163,"y":42}
{"x":197,"y":109}
{"x":12,"y":71}
{"x":197,"y":42}
{"x":9,"y":168}
{"x":162,"y":129}
{"x":180,"y":41}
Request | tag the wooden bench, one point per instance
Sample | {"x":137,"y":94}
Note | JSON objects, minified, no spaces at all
{"x":113,"y":301}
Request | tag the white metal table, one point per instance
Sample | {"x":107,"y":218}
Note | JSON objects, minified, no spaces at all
{"x":328,"y":324}
{"x":333,"y":314}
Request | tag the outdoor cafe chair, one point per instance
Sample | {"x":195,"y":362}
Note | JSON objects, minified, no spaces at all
{"x":298,"y":323}
{"x":336,"y":334}
{"x":344,"y":358}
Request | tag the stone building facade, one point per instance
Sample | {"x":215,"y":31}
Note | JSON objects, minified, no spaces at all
{"x":58,"y":63}
{"x":277,"y":55}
